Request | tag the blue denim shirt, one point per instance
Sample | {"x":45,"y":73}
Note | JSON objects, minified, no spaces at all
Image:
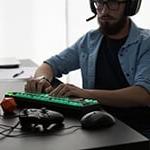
{"x":134,"y":57}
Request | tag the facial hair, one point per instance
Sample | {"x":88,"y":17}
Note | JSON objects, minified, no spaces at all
{"x":112,"y":29}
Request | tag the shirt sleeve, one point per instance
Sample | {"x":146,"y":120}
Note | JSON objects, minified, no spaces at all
{"x":142,"y":76}
{"x":67,"y":60}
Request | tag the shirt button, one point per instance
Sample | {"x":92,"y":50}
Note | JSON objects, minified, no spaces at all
{"x":83,"y":56}
{"x":127,"y":74}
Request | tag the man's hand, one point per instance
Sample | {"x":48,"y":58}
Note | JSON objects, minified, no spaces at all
{"x":65,"y":90}
{"x":39,"y":85}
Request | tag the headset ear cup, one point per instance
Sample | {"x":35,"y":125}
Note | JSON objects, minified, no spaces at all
{"x":132,"y":7}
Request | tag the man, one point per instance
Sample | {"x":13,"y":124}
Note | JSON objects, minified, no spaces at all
{"x":114,"y":62}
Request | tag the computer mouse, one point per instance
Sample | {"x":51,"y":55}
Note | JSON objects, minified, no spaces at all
{"x":97,"y":119}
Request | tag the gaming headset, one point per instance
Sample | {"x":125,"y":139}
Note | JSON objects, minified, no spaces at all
{"x":132,"y":8}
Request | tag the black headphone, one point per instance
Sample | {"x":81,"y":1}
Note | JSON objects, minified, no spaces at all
{"x":132,"y":8}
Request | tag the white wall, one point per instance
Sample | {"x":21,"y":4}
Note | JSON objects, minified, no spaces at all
{"x":142,"y":18}
{"x":31,"y":28}
{"x":38,"y":29}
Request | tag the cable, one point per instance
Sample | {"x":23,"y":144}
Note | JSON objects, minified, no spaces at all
{"x":77,"y":127}
{"x":74,"y":126}
{"x":8,"y":126}
{"x":63,"y":134}
{"x":9,"y":130}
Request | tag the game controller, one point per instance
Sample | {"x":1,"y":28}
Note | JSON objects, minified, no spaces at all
{"x":30,"y":118}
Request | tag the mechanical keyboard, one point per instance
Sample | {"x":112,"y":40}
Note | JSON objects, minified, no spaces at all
{"x":62,"y":104}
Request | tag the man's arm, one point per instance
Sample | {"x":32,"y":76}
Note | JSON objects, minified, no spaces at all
{"x":44,"y":70}
{"x":41,"y":80}
{"x":126,"y":97}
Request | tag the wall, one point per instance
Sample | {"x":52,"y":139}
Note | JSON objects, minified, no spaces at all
{"x":32,"y":28}
{"x":38,"y":29}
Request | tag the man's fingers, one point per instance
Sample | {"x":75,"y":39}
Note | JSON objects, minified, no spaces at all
{"x":61,"y":90}
{"x":30,"y":85}
{"x":40,"y":86}
{"x":33,"y":85}
{"x":57,"y":90}
{"x":48,"y":89}
{"x":36,"y":85}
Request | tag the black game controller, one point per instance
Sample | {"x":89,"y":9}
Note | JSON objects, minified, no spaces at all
{"x":30,"y":118}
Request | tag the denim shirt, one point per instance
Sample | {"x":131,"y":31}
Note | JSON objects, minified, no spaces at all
{"x":134,"y":57}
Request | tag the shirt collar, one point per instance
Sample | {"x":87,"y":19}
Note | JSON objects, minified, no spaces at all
{"x":133,"y":36}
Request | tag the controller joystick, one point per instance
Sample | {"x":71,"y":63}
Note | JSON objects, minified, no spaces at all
{"x":30,"y":118}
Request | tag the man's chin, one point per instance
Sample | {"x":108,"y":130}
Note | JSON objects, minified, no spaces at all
{"x":107,"y":29}
{"x":106,"y":32}
{"x":110,"y":26}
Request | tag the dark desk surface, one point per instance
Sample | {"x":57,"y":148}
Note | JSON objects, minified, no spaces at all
{"x":117,"y":137}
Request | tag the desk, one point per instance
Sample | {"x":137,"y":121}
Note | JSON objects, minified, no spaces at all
{"x":27,"y":63}
{"x":15,"y":84}
{"x":117,"y":137}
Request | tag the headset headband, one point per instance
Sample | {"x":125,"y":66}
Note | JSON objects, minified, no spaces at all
{"x":132,"y":7}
